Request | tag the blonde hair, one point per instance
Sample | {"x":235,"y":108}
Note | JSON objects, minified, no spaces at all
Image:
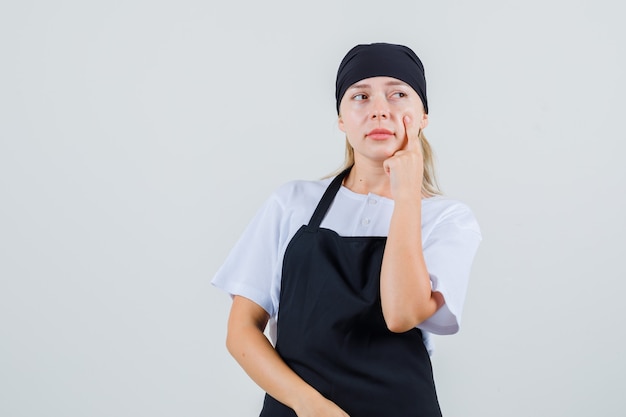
{"x":430,"y":186}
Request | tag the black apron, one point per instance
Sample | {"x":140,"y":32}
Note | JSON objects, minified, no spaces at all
{"x":331,"y":329}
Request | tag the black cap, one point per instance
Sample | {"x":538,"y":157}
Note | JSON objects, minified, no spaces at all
{"x":381,"y":60}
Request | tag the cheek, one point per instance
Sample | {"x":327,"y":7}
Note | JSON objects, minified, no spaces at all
{"x":349,"y":120}
{"x":412,"y":106}
{"x":407,"y":108}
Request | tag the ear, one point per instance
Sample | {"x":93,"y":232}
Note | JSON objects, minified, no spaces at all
{"x":424,"y":122}
{"x":340,"y":124}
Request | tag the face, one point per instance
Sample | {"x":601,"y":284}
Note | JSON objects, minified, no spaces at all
{"x":371,"y":115}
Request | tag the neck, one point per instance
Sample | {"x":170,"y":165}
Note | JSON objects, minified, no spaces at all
{"x":366,"y":178}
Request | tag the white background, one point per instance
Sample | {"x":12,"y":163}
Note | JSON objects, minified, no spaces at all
{"x":137,"y":139}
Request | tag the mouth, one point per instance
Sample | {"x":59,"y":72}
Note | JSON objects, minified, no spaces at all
{"x":379,"y":134}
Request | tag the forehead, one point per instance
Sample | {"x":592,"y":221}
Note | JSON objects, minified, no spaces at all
{"x":375,"y":82}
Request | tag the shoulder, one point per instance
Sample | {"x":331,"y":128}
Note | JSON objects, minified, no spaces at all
{"x":443,"y":210}
{"x":300,"y":192}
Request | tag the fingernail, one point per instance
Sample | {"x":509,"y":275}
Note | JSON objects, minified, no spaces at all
{"x":407,"y":119}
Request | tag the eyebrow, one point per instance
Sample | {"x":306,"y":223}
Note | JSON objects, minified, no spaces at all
{"x":388,"y":83}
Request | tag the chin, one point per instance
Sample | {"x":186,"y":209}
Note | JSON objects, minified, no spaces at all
{"x":380,"y":154}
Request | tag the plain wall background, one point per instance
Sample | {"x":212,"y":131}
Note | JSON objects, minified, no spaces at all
{"x":137,"y":139}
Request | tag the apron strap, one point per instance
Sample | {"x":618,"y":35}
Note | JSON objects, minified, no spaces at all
{"x":327,"y":199}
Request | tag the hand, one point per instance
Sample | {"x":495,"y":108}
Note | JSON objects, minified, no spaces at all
{"x":319,"y":406}
{"x":406,"y":166}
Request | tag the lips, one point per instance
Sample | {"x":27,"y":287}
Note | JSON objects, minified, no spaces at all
{"x":380,"y":134}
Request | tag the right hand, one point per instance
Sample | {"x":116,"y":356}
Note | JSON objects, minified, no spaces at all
{"x":249,"y":346}
{"x":319,"y":407}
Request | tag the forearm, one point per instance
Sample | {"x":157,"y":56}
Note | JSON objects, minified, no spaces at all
{"x":255,"y":354}
{"x":259,"y":359}
{"x":406,"y":295}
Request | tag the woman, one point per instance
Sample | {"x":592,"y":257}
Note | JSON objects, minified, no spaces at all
{"x":352,"y":273}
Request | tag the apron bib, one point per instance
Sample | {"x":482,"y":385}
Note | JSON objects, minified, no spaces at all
{"x":331,"y":330}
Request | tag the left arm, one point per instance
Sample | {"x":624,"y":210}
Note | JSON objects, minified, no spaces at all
{"x":405,"y":290}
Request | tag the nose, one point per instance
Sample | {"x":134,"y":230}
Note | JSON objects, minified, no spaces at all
{"x":380,"y":109}
{"x":380,"y":114}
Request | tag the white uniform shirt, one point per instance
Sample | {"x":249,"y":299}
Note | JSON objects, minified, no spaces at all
{"x":450,"y":238}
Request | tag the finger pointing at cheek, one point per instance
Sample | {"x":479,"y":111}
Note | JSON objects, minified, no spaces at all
{"x":412,"y":131}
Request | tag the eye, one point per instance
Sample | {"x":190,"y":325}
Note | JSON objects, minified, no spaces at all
{"x":359,"y":97}
{"x":399,"y":94}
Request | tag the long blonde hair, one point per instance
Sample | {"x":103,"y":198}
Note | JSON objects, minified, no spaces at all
{"x":430,"y":186}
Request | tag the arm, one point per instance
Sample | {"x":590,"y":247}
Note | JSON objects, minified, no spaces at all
{"x":253,"y":351}
{"x":405,"y":289}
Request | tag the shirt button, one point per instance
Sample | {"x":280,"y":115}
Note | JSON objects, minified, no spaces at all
{"x":372,"y":201}
{"x":365,"y":222}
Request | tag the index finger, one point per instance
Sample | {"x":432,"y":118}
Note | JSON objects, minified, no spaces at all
{"x":412,"y":132}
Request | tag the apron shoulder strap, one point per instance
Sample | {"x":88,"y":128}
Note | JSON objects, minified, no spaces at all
{"x":327,"y":199}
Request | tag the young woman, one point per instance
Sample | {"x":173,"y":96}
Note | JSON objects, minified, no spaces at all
{"x":353,"y":272}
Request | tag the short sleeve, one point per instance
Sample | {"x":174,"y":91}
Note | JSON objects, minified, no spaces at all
{"x":449,"y":252}
{"x":250,"y":269}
